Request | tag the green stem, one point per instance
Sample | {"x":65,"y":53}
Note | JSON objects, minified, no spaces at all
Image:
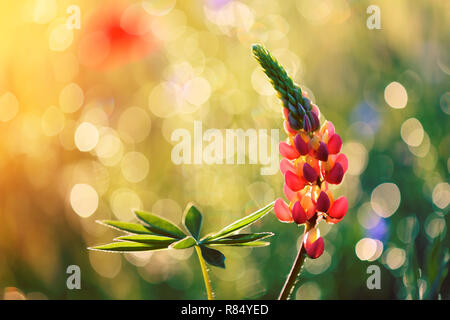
{"x":295,"y":270}
{"x":208,"y":287}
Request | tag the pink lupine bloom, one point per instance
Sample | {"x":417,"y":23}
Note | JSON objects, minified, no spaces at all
{"x":311,"y":161}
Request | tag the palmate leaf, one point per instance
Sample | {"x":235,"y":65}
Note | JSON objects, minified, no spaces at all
{"x":193,"y":220}
{"x":126,"y":226}
{"x":213,"y":257}
{"x":149,"y":239}
{"x":240,"y":224}
{"x":157,"y":233}
{"x":159,"y":225}
{"x":184,"y":243}
{"x":125,"y":246}
{"x":240,"y":238}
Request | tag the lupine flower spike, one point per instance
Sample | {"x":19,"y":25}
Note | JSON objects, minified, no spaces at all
{"x":311,"y":162}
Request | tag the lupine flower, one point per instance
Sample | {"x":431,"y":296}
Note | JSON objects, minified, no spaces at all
{"x":311,"y":160}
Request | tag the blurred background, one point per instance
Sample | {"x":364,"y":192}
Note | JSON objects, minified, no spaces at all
{"x":87,"y":113}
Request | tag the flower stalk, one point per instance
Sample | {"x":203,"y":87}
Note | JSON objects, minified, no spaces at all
{"x":206,"y":279}
{"x":295,"y":270}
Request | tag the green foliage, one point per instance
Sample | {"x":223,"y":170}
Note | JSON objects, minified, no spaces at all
{"x":149,"y":239}
{"x":126,"y":246}
{"x":184,"y":243}
{"x":241,"y":238}
{"x":433,"y":272}
{"x":244,"y":244}
{"x":193,"y":220}
{"x":126,"y":226}
{"x":436,"y":268}
{"x":156,"y":233}
{"x":213,"y":257}
{"x":159,"y":225}
{"x":239,"y":224}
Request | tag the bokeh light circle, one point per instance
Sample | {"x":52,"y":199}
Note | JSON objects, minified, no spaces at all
{"x":134,"y":125}
{"x":158,"y":7}
{"x":60,"y":37}
{"x":86,"y":137}
{"x":44,"y":11}
{"x":9,"y":106}
{"x":197,"y":91}
{"x":412,"y":132}
{"x":123,"y":201}
{"x":84,"y":200}
{"x":71,"y":98}
{"x":357,"y":157}
{"x":395,"y":258}
{"x":395,"y":95}
{"x":135,"y":166}
{"x":385,"y":199}
{"x":441,"y":195}
{"x":52,"y":121}
{"x":368,"y":249}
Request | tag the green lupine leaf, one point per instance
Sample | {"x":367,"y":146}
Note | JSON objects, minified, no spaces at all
{"x":159,"y":225}
{"x":126,"y":226}
{"x":243,"y":244}
{"x":193,"y":220}
{"x":124,"y":246}
{"x":241,"y":223}
{"x":213,"y":257}
{"x":150,"y":239}
{"x":184,"y":243}
{"x":241,"y":238}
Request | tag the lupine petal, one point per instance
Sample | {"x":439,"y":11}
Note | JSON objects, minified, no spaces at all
{"x":315,"y":121}
{"x":336,"y":174}
{"x":282,"y":211}
{"x":309,"y":173}
{"x":338,"y":208}
{"x":330,"y":196}
{"x":334,"y":144}
{"x":306,"y":123}
{"x":285,"y":113}
{"x":315,"y":109}
{"x":311,"y":236}
{"x":322,"y":152}
{"x":290,"y":195}
{"x":288,"y":151}
{"x":293,"y":122}
{"x":293,"y":181}
{"x":342,"y":159}
{"x":330,"y":128}
{"x":313,"y":243}
{"x":298,"y":213}
{"x":315,"y":249}
{"x":309,"y":206}
{"x":287,"y":128}
{"x":286,"y":165}
{"x":307,"y":103}
{"x":323,"y":202}
{"x":314,"y":143}
{"x":301,"y":145}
